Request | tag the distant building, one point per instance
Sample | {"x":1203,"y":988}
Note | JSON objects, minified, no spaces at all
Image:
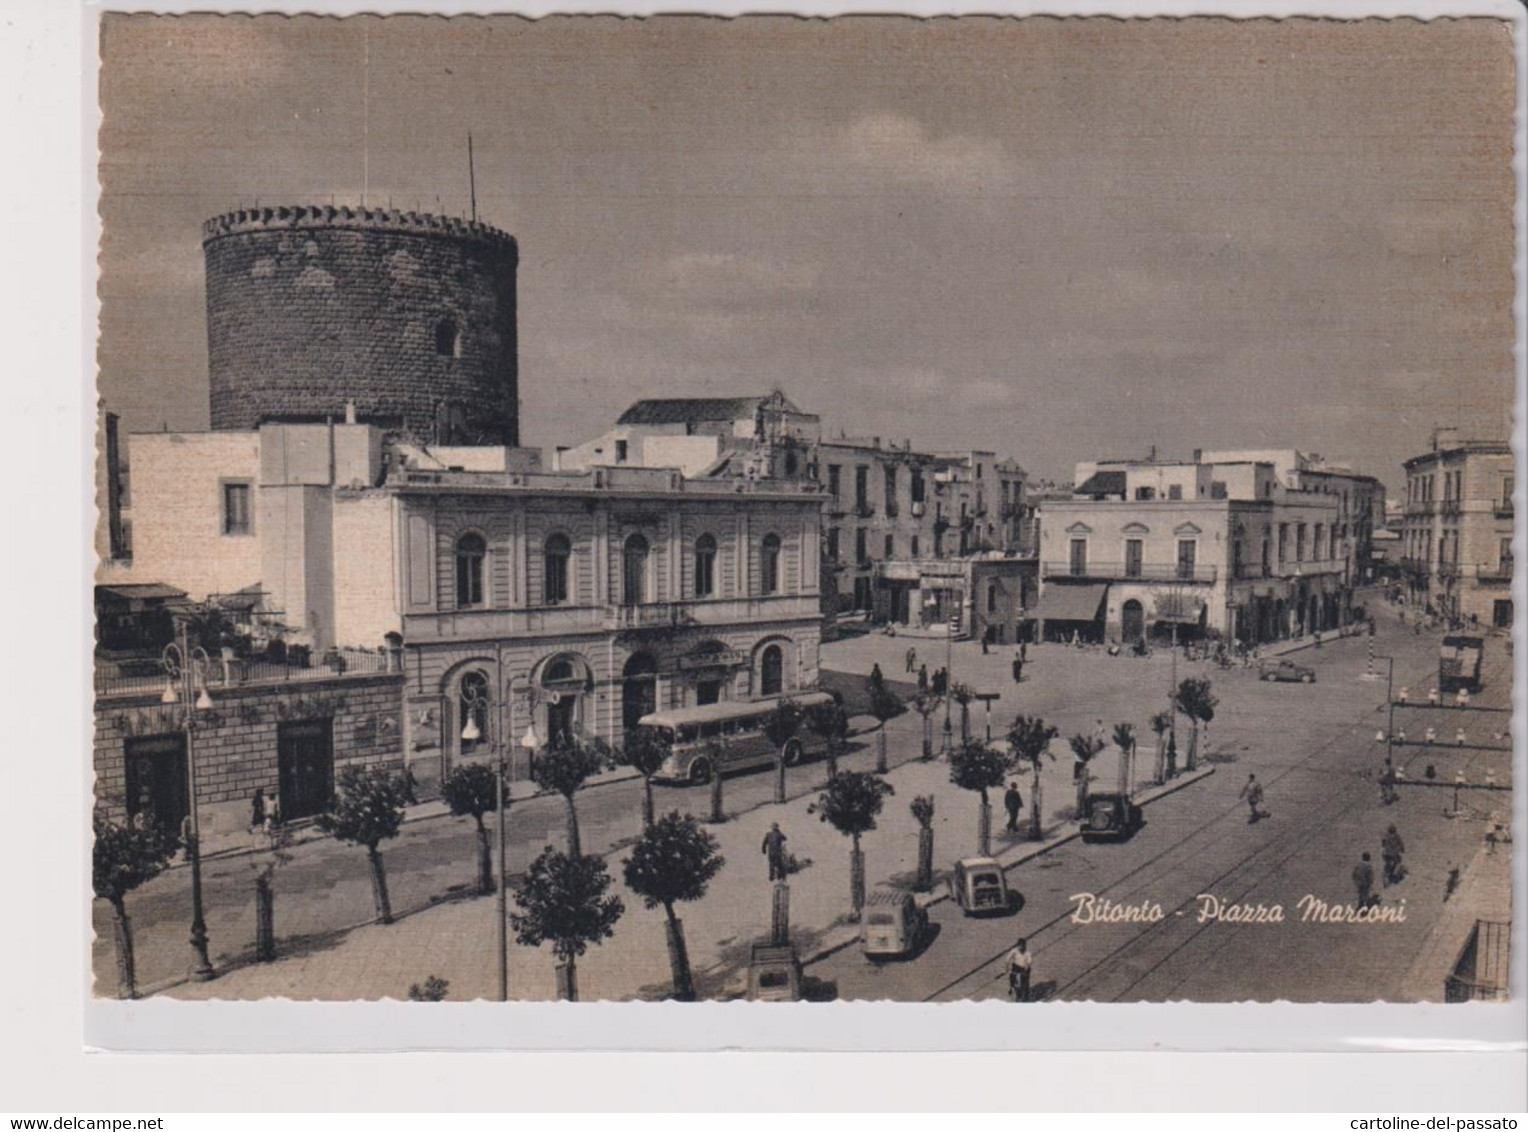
{"x":1457,"y":537}
{"x":1148,"y":548}
{"x":885,"y":502}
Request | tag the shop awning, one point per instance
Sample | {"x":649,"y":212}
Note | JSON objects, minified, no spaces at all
{"x":141,"y":591}
{"x":1070,"y":603}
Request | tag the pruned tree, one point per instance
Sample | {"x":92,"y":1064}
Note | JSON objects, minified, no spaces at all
{"x":1124,"y":739}
{"x":1161,"y":724}
{"x":926,"y":705}
{"x":922,"y":808}
{"x":978,"y":767}
{"x":645,"y":751}
{"x":123,"y":858}
{"x":563,"y":768}
{"x":1029,"y":741}
{"x":1084,"y":749}
{"x":671,"y":863}
{"x":563,"y":901}
{"x":850,"y":804}
{"x":830,"y":723}
{"x":472,"y":790}
{"x":368,"y":810}
{"x":1195,"y":700}
{"x":780,"y":727}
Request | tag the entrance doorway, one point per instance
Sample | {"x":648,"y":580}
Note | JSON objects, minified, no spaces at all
{"x":156,"y":782}
{"x":1501,"y":614}
{"x":639,"y":691}
{"x":305,"y":767}
{"x":707,"y":692}
{"x":1132,"y":619}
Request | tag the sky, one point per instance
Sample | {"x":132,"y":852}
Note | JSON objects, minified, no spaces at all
{"x":1055,"y":239}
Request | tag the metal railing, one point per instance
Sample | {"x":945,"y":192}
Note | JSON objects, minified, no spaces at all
{"x":1132,"y":572}
{"x":132,"y":676}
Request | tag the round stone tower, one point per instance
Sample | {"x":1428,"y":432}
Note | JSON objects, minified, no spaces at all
{"x":408,"y":317}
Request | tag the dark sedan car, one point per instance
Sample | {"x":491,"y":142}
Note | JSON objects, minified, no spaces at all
{"x":1287,"y":671}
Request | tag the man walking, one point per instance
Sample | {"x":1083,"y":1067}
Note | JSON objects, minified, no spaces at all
{"x":1363,"y":881}
{"x":1391,"y":849}
{"x":1019,"y":965}
{"x":912,"y":658}
{"x":1018,"y":667}
{"x":1387,"y":782}
{"x":922,"y":678}
{"x":774,"y":849}
{"x":1013,"y":802}
{"x":1253,"y":792}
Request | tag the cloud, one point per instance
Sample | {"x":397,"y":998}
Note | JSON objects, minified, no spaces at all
{"x":901,"y":150}
{"x":722,"y":279}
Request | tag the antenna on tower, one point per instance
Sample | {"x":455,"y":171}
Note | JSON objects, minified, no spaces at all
{"x":471,"y":177}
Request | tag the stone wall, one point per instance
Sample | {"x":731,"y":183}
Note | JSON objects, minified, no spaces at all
{"x":410,"y":317}
{"x":235,"y":742}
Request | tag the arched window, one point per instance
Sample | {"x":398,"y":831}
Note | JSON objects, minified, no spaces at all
{"x":470,"y":552}
{"x":772,"y":671}
{"x":554,"y":576}
{"x":447,"y":339}
{"x":634,"y":571}
{"x":769,"y":565}
{"x":705,"y":566}
{"x":473,"y":705}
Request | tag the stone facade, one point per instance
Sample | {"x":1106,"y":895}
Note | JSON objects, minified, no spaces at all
{"x":238,"y":743}
{"x":409,"y":317}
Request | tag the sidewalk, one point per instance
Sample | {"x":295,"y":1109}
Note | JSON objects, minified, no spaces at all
{"x":455,"y":940}
{"x":1484,"y":893}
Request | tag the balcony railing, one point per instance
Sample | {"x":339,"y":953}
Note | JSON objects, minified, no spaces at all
{"x":488,"y":624}
{"x":136,"y":676}
{"x":1131,"y":572}
{"x":863,"y":510}
{"x":1502,"y":508}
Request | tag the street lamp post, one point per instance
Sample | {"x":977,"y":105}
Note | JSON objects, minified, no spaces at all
{"x":180,"y":662}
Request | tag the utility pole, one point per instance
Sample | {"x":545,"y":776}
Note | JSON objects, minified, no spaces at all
{"x":179,"y":656}
{"x":500,"y":695}
{"x":471,"y":177}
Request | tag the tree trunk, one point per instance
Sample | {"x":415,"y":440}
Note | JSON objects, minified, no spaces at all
{"x":925,"y":880}
{"x":718,"y":808}
{"x":575,"y":846}
{"x":1161,"y":774}
{"x":265,"y":920}
{"x":928,"y":739}
{"x":856,"y":877}
{"x":984,"y":828}
{"x":780,"y":777}
{"x":1036,"y":828}
{"x":485,"y":860}
{"x":647,"y":802}
{"x":880,"y":749}
{"x":567,"y":980}
{"x":122,"y":934}
{"x":1083,"y":778}
{"x":1193,"y":748}
{"x":965,"y":723}
{"x":379,"y":886}
{"x":679,"y":958}
{"x":832,"y":759}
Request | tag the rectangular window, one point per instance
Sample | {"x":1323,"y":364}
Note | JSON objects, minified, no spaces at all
{"x":1283,"y":542}
{"x":915,"y":546}
{"x":1145,"y":494}
{"x":1504,"y":553}
{"x":236,"y":508}
{"x":620,"y":451}
{"x":1188,"y":551}
{"x":1299,"y":542}
{"x":861,"y":487}
{"x":917,"y":485}
{"x":891,"y":546}
{"x":861,"y":549}
{"x":891,"y":490}
{"x":1133,"y":557}
{"x":834,"y":475}
{"x":1079,"y":558}
{"x":1175,"y":491}
{"x":1508,"y":485}
{"x":833,"y":545}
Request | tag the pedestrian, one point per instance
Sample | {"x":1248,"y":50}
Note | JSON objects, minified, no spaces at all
{"x":1253,"y":792}
{"x":1013,"y":802}
{"x":1391,"y":848}
{"x":984,"y":644}
{"x":1387,"y":782}
{"x":922,"y":678}
{"x":1363,"y":881}
{"x":912,"y":658}
{"x":1020,"y":964}
{"x":1023,"y":651}
{"x":272,"y":814}
{"x":774,"y":849}
{"x":257,"y":810}
{"x":1018,"y":667}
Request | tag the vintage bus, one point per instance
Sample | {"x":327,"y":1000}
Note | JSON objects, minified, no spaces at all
{"x":725,"y":737}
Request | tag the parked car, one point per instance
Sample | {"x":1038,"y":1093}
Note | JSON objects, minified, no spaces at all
{"x":894,"y":924}
{"x":1287,"y":671}
{"x":1110,"y":816}
{"x":978,"y":887}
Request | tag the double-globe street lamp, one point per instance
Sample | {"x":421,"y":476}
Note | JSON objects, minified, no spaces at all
{"x":189,"y":666}
{"x":475,"y":699}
